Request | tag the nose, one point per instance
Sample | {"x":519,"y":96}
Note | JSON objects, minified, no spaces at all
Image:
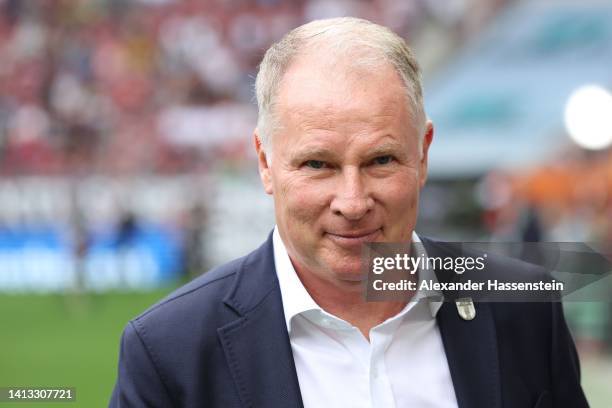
{"x":351,"y":200}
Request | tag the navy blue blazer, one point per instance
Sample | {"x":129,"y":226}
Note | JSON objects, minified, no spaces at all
{"x":221,"y":342}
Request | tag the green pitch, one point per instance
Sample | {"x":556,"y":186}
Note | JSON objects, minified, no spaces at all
{"x":65,"y":341}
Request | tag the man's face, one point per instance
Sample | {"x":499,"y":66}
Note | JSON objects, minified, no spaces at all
{"x":346,"y":167}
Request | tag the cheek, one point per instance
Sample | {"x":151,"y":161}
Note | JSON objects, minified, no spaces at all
{"x":399,"y":201}
{"x":399,"y":195}
{"x":303,"y":202}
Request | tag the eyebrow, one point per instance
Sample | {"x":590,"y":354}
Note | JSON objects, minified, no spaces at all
{"x":308,"y":153}
{"x":386,"y":148}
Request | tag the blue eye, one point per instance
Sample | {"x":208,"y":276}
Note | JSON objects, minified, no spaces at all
{"x":315,"y":164}
{"x":383,"y":159}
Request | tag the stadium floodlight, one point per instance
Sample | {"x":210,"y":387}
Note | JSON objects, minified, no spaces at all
{"x":588,"y":117}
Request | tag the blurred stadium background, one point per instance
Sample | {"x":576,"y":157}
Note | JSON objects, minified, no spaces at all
{"x":127,"y":167}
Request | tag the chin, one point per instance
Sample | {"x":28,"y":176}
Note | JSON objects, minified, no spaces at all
{"x":348,"y":278}
{"x":348,"y":272}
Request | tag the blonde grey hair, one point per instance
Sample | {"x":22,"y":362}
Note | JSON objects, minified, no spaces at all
{"x":365,"y":42}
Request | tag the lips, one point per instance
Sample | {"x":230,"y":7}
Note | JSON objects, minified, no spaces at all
{"x":353,"y":238}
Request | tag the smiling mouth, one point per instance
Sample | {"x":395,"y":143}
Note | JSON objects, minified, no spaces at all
{"x":351,"y":239}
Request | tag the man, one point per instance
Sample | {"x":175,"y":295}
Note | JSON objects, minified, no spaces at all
{"x":342,"y":141}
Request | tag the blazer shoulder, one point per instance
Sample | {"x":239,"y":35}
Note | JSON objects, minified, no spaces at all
{"x":201,"y":296}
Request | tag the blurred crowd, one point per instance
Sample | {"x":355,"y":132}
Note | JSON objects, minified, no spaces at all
{"x":163,"y":86}
{"x":568,"y":199}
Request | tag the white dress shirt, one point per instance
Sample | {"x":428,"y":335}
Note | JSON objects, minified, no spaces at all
{"x":403,"y":364}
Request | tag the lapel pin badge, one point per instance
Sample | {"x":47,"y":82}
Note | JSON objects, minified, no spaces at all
{"x":465,"y":308}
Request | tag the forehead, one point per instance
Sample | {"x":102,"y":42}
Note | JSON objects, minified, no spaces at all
{"x":318,"y":88}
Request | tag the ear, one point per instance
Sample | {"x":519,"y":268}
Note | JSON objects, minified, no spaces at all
{"x":263,"y":164}
{"x":427,"y":139}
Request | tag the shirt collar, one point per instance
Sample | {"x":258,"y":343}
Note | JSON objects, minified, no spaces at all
{"x":297,"y":300}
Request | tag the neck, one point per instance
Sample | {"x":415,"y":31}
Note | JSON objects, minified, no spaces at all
{"x":346,"y":300}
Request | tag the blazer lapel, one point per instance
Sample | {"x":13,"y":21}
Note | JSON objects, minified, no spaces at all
{"x":471,"y":352}
{"x":256,"y":345}
{"x":470,"y":345}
